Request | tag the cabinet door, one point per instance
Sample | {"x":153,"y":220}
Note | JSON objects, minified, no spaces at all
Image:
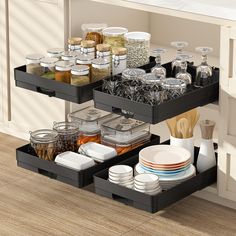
{"x":34,"y":26}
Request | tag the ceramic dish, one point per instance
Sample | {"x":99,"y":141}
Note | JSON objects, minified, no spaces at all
{"x":121,"y":170}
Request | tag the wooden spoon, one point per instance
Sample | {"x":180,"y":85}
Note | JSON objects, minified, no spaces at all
{"x":183,"y":127}
{"x":171,"y":123}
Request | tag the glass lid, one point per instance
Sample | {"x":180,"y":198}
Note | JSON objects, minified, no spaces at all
{"x":43,"y":136}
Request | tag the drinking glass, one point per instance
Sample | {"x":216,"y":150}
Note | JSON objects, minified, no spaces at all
{"x":183,"y":74}
{"x":204,"y":71}
{"x":158,"y":70}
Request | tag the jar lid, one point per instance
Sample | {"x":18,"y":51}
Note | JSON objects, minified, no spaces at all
{"x":133,"y":73}
{"x":66,"y":127}
{"x":77,"y":69}
{"x":48,"y":62}
{"x":119,"y":51}
{"x":34,"y":57}
{"x":63,"y":65}
{"x":114,"y":31}
{"x":150,"y":78}
{"x":88,"y":43}
{"x":173,"y":83}
{"x":137,"y":36}
{"x":43,"y":136}
{"x":94,"y":27}
{"x":55,"y":51}
{"x":74,"y":40}
{"x":100,"y":61}
{"x":84,"y":59}
{"x":103,"y":47}
{"x":69,"y":55}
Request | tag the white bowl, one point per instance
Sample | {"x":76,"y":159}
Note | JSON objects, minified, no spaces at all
{"x":146,"y":179}
{"x":121,"y":170}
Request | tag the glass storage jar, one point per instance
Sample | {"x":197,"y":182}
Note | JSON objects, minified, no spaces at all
{"x":125,"y":134}
{"x":74,"y":44}
{"x":119,"y":60}
{"x":88,"y":47}
{"x":104,"y":51}
{"x":68,"y":133}
{"x":100,"y":69}
{"x":63,"y":71}
{"x":55,"y":52}
{"x":80,"y":75}
{"x":93,"y":31}
{"x":138,"y":47}
{"x":114,"y":36}
{"x":33,"y":64}
{"x":70,"y":56}
{"x":133,"y":74}
{"x":48,"y":65}
{"x":45,"y":143}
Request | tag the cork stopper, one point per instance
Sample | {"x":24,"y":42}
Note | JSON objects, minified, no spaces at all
{"x":103,"y":47}
{"x":119,"y":51}
{"x":87,"y":43}
{"x":207,"y":127}
{"x":74,"y":40}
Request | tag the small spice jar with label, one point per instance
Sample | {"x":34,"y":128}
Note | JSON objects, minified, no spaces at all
{"x":55,"y":52}
{"x":74,"y":44}
{"x":80,"y":75}
{"x":48,"y":65}
{"x":88,"y":47}
{"x":33,"y":64}
{"x":63,"y":71}
{"x":119,"y":60}
{"x":104,"y":51}
{"x":100,"y":69}
{"x":70,"y":56}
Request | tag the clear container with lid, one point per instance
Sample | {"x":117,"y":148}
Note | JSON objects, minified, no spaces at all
{"x":93,"y":31}
{"x":90,"y":120}
{"x":125,"y":134}
{"x":45,"y":143}
{"x":88,"y":47}
{"x":80,"y":75}
{"x":48,"y":65}
{"x":104,"y":51}
{"x":119,"y":60}
{"x":114,"y":36}
{"x":74,"y":44}
{"x":55,"y":52}
{"x":33,"y":64}
{"x":133,"y":74}
{"x":70,"y":56}
{"x":138,"y":47}
{"x":100,"y":69}
{"x":63,"y":71}
{"x":68,"y":133}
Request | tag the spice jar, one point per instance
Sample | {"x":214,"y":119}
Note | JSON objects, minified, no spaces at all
{"x":80,"y":75}
{"x":62,"y":72}
{"x":88,"y":47}
{"x":68,"y":133}
{"x":93,"y":32}
{"x":45,"y":143}
{"x":119,"y":62}
{"x":138,"y":47}
{"x":70,"y":56}
{"x":55,"y":52}
{"x":104,"y":51}
{"x":100,"y":69}
{"x":114,"y":36}
{"x":90,"y":120}
{"x":33,"y":64}
{"x":74,"y":44}
{"x":125,"y":134}
{"x":48,"y":65}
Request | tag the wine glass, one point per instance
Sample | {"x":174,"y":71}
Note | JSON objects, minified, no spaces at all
{"x":204,"y":71}
{"x":176,"y":63}
{"x":158,"y":70}
{"x":183,"y":74}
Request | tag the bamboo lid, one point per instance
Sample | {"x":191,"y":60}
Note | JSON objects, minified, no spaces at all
{"x":88,"y":43}
{"x":74,"y":40}
{"x":119,"y":51}
{"x":103,"y":47}
{"x":207,"y":127}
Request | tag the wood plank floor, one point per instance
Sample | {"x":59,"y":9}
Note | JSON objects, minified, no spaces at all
{"x":31,"y":204}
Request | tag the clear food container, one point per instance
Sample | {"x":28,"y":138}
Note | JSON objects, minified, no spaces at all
{"x":100,"y":69}
{"x":68,"y":133}
{"x":70,"y":56}
{"x":88,"y":48}
{"x":125,"y":134}
{"x":45,"y":143}
{"x":104,"y":51}
{"x":80,"y":75}
{"x":55,"y":52}
{"x":74,"y":44}
{"x":63,"y":71}
{"x":48,"y":65}
{"x":138,"y":47}
{"x":90,"y":120}
{"x":119,"y":60}
{"x":33,"y":64}
{"x":133,"y":74}
{"x":114,"y":36}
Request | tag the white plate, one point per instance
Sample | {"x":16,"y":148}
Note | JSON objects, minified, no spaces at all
{"x":164,"y":155}
{"x":126,"y":178}
{"x":121,"y":170}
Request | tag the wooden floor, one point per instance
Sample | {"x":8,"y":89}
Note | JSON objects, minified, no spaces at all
{"x":31,"y":204}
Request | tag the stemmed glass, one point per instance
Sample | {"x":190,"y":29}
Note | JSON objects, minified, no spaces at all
{"x":204,"y":71}
{"x":176,"y":63}
{"x":183,"y":74}
{"x":158,"y":70}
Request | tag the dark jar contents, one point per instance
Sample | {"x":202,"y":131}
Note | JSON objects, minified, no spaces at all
{"x":62,"y":72}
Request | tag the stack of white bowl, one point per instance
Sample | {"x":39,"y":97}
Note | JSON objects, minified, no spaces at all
{"x":147,"y":183}
{"x":122,"y":175}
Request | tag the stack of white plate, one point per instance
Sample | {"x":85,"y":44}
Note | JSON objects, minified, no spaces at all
{"x":122,"y":175}
{"x":147,"y":183}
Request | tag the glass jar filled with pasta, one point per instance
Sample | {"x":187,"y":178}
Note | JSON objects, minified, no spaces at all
{"x":63,"y":71}
{"x":80,"y":75}
{"x":88,"y":47}
{"x":119,"y":60}
{"x":100,"y":69}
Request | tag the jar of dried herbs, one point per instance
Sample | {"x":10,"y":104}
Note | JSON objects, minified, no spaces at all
{"x":88,"y":47}
{"x":48,"y":65}
{"x":104,"y":51}
{"x":55,"y":52}
{"x":119,"y":60}
{"x":80,"y":75}
{"x":33,"y":64}
{"x":45,"y":143}
{"x":63,"y":71}
{"x":74,"y":44}
{"x":100,"y":69}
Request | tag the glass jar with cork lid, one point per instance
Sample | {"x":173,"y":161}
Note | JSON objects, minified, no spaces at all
{"x":63,"y":71}
{"x":88,"y":47}
{"x":119,"y":60}
{"x":104,"y":51}
{"x":74,"y":44}
{"x":80,"y":75}
{"x":100,"y":69}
